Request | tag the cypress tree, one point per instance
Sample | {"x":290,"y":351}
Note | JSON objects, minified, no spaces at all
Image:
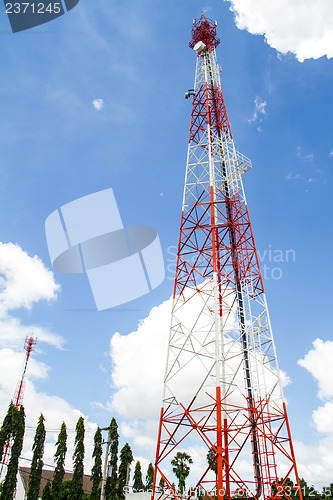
{"x":162,"y":484}
{"x":138,"y":483}
{"x":149,"y":477}
{"x":47,"y":492}
{"x":96,"y":471}
{"x":6,"y":429}
{"x":17,"y":421}
{"x":37,"y":461}
{"x":78,"y":457}
{"x":126,"y":458}
{"x":59,"y":458}
{"x":112,"y":479}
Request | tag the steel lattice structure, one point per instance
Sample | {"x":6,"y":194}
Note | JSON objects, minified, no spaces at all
{"x":222,"y":387}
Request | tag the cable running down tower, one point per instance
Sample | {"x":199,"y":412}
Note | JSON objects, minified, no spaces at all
{"x":222,"y":386}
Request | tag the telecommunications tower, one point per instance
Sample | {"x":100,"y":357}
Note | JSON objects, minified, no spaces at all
{"x":222,"y":388}
{"x":29,"y":346}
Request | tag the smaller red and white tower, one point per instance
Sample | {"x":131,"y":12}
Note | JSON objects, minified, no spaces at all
{"x":29,"y":346}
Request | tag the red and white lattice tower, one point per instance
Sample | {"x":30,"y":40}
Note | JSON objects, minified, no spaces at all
{"x":29,"y":346}
{"x":222,"y":386}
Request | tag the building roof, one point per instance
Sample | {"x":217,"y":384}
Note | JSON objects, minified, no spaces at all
{"x":47,"y":475}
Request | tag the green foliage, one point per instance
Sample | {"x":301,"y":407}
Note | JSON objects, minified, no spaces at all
{"x":96,"y":471}
{"x":210,"y":457}
{"x":76,"y":489}
{"x":161,"y":484}
{"x":65,"y":490}
{"x":6,"y":429}
{"x":327,"y":491}
{"x":112,"y":479}
{"x":181,"y":468}
{"x":47,"y":492}
{"x":288,"y":489}
{"x":17,"y":433}
{"x":138,"y":483}
{"x":126,"y":458}
{"x":37,"y":461}
{"x":149,"y":477}
{"x":181,"y":484}
{"x":59,"y":458}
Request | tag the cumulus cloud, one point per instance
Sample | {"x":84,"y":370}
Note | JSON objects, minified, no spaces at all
{"x":13,"y":332}
{"x":304,"y":28}
{"x":23,"y":279}
{"x":318,"y":362}
{"x":98,"y":104}
{"x":135,"y":357}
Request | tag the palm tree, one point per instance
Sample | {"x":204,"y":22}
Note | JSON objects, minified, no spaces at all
{"x":181,"y":468}
{"x":211,"y":455}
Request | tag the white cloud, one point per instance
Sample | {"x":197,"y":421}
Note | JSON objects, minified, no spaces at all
{"x":259,"y":112}
{"x":302,"y":156}
{"x":296,"y":176}
{"x":98,"y":104}
{"x":13,"y":332}
{"x":331,"y":153}
{"x":23,"y":279}
{"x":318,"y":362}
{"x":304,"y":27}
{"x":135,"y":357}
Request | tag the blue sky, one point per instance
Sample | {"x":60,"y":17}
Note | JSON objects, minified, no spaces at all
{"x":56,"y":147}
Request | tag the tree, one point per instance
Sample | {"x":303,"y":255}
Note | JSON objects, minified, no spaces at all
{"x":76,"y":491}
{"x":59,"y":458}
{"x":17,"y":433}
{"x":126,"y":458}
{"x":161,"y":485}
{"x":37,"y":461}
{"x":149,"y":477}
{"x":6,"y":429}
{"x":47,"y":492}
{"x":181,"y":468}
{"x":138,"y":483}
{"x":112,"y":479}
{"x":211,"y":455}
{"x":96,"y":471}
